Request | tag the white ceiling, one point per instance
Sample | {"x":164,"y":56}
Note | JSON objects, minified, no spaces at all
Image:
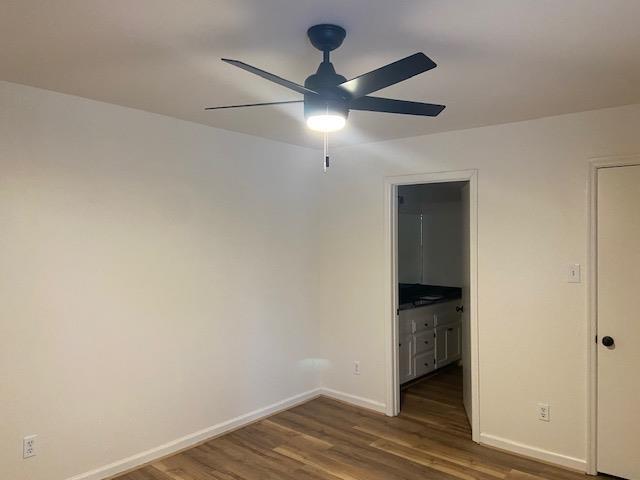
{"x":498,"y":60}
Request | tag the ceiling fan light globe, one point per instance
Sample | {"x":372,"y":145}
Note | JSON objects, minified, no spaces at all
{"x":326,"y":122}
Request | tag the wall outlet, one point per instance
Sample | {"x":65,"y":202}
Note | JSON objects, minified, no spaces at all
{"x":356,"y":367}
{"x":544,"y":412}
{"x":29,"y":446}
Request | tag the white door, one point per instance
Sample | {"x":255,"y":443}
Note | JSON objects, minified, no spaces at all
{"x":618,"y":284}
{"x":466,"y":324}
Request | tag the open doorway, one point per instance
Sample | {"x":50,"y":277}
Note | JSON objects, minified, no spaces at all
{"x":433,"y":358}
{"x":432,"y":231}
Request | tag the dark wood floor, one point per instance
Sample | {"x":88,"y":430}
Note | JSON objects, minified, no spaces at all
{"x":328,"y":440}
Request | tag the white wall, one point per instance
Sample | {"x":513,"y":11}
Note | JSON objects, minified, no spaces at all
{"x":442,"y":238}
{"x":532,"y":223}
{"x":410,"y":248}
{"x":157,"y":279}
{"x":438,"y":261}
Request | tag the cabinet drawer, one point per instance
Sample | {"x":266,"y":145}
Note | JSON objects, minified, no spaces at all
{"x":425,"y":363}
{"x":416,"y":319}
{"x":418,"y":314}
{"x":425,"y":341}
{"x":426,"y":323}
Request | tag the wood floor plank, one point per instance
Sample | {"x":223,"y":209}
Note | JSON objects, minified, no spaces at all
{"x":295,"y":436}
{"x":452,"y":465}
{"x":516,"y":475}
{"x":182,"y":467}
{"x":325,"y":439}
{"x":328,"y":430}
{"x":146,"y":473}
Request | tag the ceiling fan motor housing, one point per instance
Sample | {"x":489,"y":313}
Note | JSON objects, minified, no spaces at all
{"x":331,"y":98}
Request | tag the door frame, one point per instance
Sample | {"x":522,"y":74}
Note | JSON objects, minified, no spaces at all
{"x":595,"y":164}
{"x":391,"y":185}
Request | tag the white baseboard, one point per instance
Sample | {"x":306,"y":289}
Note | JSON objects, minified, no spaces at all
{"x":533,"y":452}
{"x":142,"y":458}
{"x":354,"y":400}
{"x":191,"y":439}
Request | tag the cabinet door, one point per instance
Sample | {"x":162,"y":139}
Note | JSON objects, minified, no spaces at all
{"x":453,"y":342}
{"x":445,"y":313}
{"x":405,"y":323}
{"x":447,"y":344}
{"x":406,"y":365}
{"x":441,"y":346}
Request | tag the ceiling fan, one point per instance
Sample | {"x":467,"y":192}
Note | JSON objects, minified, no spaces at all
{"x":328,"y":96}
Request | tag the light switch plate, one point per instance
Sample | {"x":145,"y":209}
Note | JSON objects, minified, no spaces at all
{"x":573,"y":274}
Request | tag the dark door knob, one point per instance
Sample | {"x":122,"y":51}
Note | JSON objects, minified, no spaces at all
{"x":460,"y":309}
{"x":607,"y":341}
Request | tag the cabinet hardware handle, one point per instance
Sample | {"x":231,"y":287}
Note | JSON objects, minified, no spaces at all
{"x":426,"y":364}
{"x":426,"y":341}
{"x":460,"y":309}
{"x":450,"y":329}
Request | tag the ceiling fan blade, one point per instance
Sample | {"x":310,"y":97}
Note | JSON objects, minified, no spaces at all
{"x":388,"y":75}
{"x":254,"y":104}
{"x":389,"y":105}
{"x":269,"y":76}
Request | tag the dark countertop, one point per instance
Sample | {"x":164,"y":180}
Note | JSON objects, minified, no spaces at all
{"x":413,"y":295}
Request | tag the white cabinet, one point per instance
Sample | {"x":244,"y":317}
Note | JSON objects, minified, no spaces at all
{"x":441,"y":345}
{"x":425,"y":341}
{"x":447,"y":344}
{"x":429,"y":338}
{"x":425,"y":363}
{"x":405,"y":358}
{"x":454,"y":342}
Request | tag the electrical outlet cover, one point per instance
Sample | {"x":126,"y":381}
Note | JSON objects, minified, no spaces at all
{"x":29,"y":446}
{"x":544,"y":412}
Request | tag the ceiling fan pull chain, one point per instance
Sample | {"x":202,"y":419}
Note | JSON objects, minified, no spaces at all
{"x":326,"y":151}
{"x":326,"y":146}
